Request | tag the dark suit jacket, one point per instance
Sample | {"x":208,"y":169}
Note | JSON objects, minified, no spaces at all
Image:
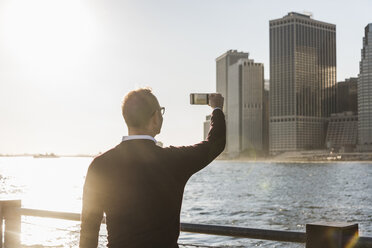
{"x":139,"y":186}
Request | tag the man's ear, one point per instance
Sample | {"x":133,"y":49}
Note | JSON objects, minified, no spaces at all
{"x":154,"y":120}
{"x":157,"y":118}
{"x":158,"y":122}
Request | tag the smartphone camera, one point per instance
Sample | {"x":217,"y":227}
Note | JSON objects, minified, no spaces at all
{"x":199,"y":98}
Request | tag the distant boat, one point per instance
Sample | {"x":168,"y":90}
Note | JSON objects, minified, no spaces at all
{"x":46,"y":155}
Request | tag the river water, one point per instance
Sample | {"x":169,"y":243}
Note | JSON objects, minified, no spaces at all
{"x":282,"y":196}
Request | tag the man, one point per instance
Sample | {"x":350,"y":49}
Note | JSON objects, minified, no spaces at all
{"x":138,"y":185}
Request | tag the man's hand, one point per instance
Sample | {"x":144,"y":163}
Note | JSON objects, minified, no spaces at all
{"x":216,"y":100}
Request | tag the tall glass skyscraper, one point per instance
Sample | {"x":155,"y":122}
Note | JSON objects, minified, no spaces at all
{"x":365,"y":92}
{"x":302,"y":79}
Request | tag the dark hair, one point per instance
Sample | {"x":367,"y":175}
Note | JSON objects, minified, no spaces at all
{"x":138,"y":107}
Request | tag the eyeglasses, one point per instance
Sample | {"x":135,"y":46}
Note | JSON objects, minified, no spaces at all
{"x":162,"y":110}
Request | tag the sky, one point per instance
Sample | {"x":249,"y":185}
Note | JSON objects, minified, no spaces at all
{"x":65,"y":65}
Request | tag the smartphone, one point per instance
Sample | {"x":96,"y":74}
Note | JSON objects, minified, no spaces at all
{"x":199,"y":98}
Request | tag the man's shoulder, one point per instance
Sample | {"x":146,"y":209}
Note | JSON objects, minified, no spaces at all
{"x":178,"y":150}
{"x":105,"y":157}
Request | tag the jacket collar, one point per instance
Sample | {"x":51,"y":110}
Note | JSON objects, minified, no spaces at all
{"x":138,"y":137}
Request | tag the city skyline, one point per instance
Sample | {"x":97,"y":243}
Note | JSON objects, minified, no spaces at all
{"x":62,"y":79}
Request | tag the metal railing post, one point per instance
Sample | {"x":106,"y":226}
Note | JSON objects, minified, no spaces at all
{"x":11,"y":216}
{"x":331,"y":235}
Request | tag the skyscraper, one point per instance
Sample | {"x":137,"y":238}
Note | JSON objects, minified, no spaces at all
{"x":222,"y":71}
{"x":266,"y":117}
{"x":241,"y":81}
{"x":206,"y":126}
{"x":302,"y":76}
{"x":365,"y":92}
{"x":229,"y":88}
{"x":252,"y":104}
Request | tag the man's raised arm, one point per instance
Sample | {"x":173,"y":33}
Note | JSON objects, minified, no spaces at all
{"x":196,"y":157}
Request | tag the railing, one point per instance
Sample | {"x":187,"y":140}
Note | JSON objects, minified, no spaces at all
{"x":318,"y":235}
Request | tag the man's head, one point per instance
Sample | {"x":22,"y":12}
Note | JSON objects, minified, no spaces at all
{"x":142,"y":112}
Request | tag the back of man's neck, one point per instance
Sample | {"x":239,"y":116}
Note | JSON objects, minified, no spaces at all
{"x":140,"y":132}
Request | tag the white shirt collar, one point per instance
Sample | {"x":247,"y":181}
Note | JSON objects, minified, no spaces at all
{"x":134,"y":137}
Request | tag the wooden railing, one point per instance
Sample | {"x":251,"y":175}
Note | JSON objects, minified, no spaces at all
{"x":324,"y":235}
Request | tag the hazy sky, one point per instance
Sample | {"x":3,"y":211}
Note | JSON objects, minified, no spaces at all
{"x":66,"y":64}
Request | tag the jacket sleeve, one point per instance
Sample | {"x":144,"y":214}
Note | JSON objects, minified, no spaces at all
{"x":190,"y":159}
{"x":92,"y":212}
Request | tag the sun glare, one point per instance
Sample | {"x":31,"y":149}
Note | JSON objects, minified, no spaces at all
{"x":44,"y":35}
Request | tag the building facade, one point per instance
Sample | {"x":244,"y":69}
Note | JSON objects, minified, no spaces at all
{"x":347,"y":95}
{"x":266,"y":117}
{"x":229,"y":88}
{"x":302,"y":80}
{"x":241,"y":80}
{"x":342,"y":131}
{"x":223,"y":63}
{"x":206,"y":126}
{"x":365,"y":92}
{"x":252,"y":102}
